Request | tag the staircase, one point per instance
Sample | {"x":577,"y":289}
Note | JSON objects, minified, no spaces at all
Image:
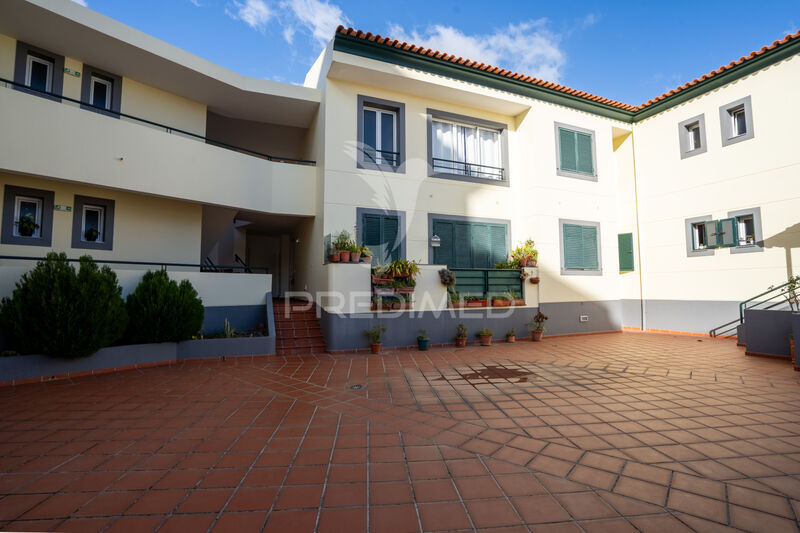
{"x":297,"y":330}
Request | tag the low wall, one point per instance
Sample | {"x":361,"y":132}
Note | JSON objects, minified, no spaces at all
{"x":767,"y":332}
{"x":20,"y":369}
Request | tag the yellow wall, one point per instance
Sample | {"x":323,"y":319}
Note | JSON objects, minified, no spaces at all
{"x":72,"y":84}
{"x":8,"y":49}
{"x":146,"y":228}
{"x":165,"y":108}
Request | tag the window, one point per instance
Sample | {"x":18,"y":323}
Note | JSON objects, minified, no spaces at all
{"x":27,"y":216}
{"x":580,"y":247}
{"x":39,"y":70}
{"x":93,"y":223}
{"x":383,"y":232}
{"x":692,"y":136}
{"x":39,"y":73}
{"x":736,"y":121}
{"x":468,"y":243}
{"x":467,"y":149}
{"x":381,"y":134}
{"x":100,"y":94}
{"x":101,"y":90}
{"x":575,"y":152}
{"x":625,"y":242}
{"x":749,"y":236}
{"x":699,"y":236}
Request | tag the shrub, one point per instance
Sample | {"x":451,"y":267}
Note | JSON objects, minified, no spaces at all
{"x":162,"y":310}
{"x":59,"y":312}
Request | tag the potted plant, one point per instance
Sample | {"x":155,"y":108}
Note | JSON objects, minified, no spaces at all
{"x":26,"y":226}
{"x":383,"y":291}
{"x":516,"y":298}
{"x":343,"y":245}
{"x":537,"y":326}
{"x":510,"y":336}
{"x":404,"y":285}
{"x":401,"y":268}
{"x":379,"y":303}
{"x":525,"y":254}
{"x":485,"y":337}
{"x":366,"y":254}
{"x":374,"y":335}
{"x":455,"y":300}
{"x":474,"y":301}
{"x":379,"y":276}
{"x":448,"y":278}
{"x":422,"y":340}
{"x":501,"y":301}
{"x":535,"y":280}
{"x":461,"y":336}
{"x":334,"y":256}
{"x":91,"y":234}
{"x":355,"y":252}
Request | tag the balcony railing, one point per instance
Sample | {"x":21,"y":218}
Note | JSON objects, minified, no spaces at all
{"x":205,"y":267}
{"x":381,"y":157}
{"x":487,"y":282}
{"x":473,"y":170}
{"x":167,"y":129}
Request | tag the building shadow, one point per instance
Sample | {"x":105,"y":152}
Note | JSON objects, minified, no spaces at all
{"x":787,"y":239}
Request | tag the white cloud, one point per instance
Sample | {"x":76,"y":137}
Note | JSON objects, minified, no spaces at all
{"x":528,"y":47}
{"x":318,"y":17}
{"x":81,"y":2}
{"x":254,"y":13}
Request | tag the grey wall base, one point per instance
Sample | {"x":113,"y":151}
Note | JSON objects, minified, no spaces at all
{"x":564,"y":317}
{"x":632,"y":313}
{"x":241,"y":317}
{"x":796,"y":336}
{"x":691,"y":316}
{"x":346,"y":332}
{"x":26,"y":367}
{"x":767,"y":331}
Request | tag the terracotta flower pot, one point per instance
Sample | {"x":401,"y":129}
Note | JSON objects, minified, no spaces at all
{"x":518,"y":301}
{"x":536,"y":334}
{"x":355,"y":257}
{"x":335,"y":257}
{"x":375,"y":347}
{"x":511,"y":338}
{"x":531,"y":263}
{"x":476,"y":303}
{"x":366,"y":259}
{"x":535,"y":281}
{"x":345,"y":256}
{"x":501,"y":302}
{"x":486,"y":340}
{"x":461,"y":342}
{"x":404,"y":290}
{"x":457,"y":305}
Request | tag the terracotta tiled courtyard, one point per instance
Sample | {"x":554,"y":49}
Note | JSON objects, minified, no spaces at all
{"x":616,"y":432}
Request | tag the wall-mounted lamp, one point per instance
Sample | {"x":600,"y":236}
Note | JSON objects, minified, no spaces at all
{"x":436,"y":241}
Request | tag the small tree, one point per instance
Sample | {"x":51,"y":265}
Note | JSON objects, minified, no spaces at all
{"x":162,"y":310}
{"x":58,"y":312}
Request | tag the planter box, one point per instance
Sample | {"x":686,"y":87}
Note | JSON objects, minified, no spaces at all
{"x":379,"y":291}
{"x":501,"y":303}
{"x":404,"y":290}
{"x":403,"y":305}
{"x":476,"y":303}
{"x":457,"y":305}
{"x":518,"y":302}
{"x":381,"y":281}
{"x":236,"y":346}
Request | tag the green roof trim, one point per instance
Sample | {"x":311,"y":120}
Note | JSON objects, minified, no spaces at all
{"x":380,"y":52}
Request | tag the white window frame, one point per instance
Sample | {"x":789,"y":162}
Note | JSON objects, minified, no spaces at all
{"x":37,"y":233}
{"x":379,"y":159}
{"x":100,"y":222}
{"x":696,"y":228}
{"x":741,"y":231}
{"x":109,"y":87}
{"x":727,"y":121}
{"x":478,"y":128}
{"x":739,"y":110}
{"x":694,"y":142}
{"x":29,"y":67}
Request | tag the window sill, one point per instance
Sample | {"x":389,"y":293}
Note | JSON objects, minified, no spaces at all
{"x":576,"y":175}
{"x":576,"y":272}
{"x":746,"y":249}
{"x":700,"y":252}
{"x":25,"y":241}
{"x":470,"y":179}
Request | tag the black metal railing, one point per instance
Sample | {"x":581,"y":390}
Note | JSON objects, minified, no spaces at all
{"x":162,"y":264}
{"x":381,"y":157}
{"x":473,"y":170}
{"x":782,"y":295}
{"x":167,"y":129}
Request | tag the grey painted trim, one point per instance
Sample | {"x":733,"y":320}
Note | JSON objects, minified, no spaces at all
{"x":577,"y":272}
{"x":46,"y":226}
{"x":758,"y":233}
{"x":241,"y":317}
{"x":690,"y":251}
{"x":401,"y":215}
{"x":270,"y":311}
{"x":116,"y":90}
{"x":400,"y":109}
{"x":569,"y":173}
{"x":20,"y":66}
{"x":683,"y":138}
{"x":234,"y":347}
{"x":77,"y":222}
{"x":726,"y":128}
{"x":503,"y":128}
{"x":461,"y":218}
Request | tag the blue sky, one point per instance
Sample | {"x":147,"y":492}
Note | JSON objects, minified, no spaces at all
{"x":629,"y":51}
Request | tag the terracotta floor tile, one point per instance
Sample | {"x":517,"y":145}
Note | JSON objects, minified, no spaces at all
{"x":345,"y":495}
{"x":109,"y":504}
{"x":252,"y":499}
{"x":390,"y":492}
{"x":343,"y":520}
{"x":299,"y":497}
{"x":77,"y":525}
{"x":205,"y":500}
{"x":135,"y":524}
{"x":492,"y":513}
{"x":185,"y":523}
{"x":608,"y":525}
{"x":474,"y":488}
{"x":443,"y":516}
{"x":14,"y":505}
{"x":58,"y":506}
{"x":157,"y":502}
{"x":394,"y":519}
{"x":751,"y":520}
{"x":435,"y":490}
{"x":585,"y":506}
{"x":240,"y":522}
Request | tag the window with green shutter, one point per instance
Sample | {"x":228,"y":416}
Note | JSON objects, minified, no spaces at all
{"x":381,"y":234}
{"x":625,"y":241}
{"x":469,"y":244}
{"x":575,"y":152}
{"x":580,"y":247}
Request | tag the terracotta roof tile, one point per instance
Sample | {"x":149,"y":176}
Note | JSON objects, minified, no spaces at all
{"x":498,"y":71}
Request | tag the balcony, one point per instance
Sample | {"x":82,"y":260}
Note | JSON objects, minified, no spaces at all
{"x":60,"y":140}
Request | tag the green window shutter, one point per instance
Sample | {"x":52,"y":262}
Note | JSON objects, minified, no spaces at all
{"x":573,"y":247}
{"x":567,"y":149}
{"x":625,"y":241}
{"x":462,"y":245}
{"x":727,"y":228}
{"x":585,"y":163}
{"x":391,"y":236}
{"x":712,"y":234}
{"x":497,"y":244}
{"x":380,"y":234}
{"x":443,"y":255}
{"x":480,"y":246}
{"x":590,"y":259}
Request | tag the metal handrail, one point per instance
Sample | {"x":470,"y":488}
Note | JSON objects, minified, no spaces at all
{"x":168,"y":129}
{"x":393,"y":160}
{"x":162,"y":264}
{"x":497,"y":173}
{"x":743,"y":304}
{"x":241,"y":262}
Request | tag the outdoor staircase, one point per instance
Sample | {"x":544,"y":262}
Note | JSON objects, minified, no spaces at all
{"x":297,"y":330}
